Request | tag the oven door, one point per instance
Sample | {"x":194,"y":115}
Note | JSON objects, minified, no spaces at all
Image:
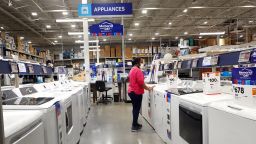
{"x":191,"y":125}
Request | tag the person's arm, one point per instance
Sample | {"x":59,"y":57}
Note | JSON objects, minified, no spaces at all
{"x":140,"y":80}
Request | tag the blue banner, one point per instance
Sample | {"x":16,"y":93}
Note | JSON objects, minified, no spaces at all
{"x":253,"y":56}
{"x":244,"y":76}
{"x":106,"y":28}
{"x":105,"y":9}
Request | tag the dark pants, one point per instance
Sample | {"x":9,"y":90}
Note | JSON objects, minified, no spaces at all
{"x":136,"y":104}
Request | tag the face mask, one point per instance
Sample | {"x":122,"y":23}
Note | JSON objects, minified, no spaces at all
{"x":142,"y":66}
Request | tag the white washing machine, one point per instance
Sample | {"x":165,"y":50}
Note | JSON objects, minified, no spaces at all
{"x":189,"y":117}
{"x":161,"y":113}
{"x":23,"y":127}
{"x":70,"y":107}
{"x":232,"y":122}
{"x":49,"y":107}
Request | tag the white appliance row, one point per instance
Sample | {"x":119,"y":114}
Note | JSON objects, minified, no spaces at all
{"x":184,"y":117}
{"x":64,"y":106}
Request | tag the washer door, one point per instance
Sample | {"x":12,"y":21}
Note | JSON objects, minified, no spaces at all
{"x":191,"y":128}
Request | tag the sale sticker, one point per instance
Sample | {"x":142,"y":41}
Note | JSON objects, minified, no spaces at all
{"x":211,"y":81}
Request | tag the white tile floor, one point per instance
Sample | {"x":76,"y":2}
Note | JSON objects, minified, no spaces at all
{"x":111,"y":124}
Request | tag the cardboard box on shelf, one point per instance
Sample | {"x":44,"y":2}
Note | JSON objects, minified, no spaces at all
{"x":91,"y":55}
{"x":128,"y":53}
{"x":102,"y":53}
{"x":107,"y":51}
{"x":113,"y":52}
{"x":118,"y":51}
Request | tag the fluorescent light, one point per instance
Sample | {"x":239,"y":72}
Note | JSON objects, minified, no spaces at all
{"x":81,"y":41}
{"x":56,"y":41}
{"x":73,"y":26}
{"x":144,"y":11}
{"x":185,"y":33}
{"x":250,"y":21}
{"x":176,"y":38}
{"x":34,"y":13}
{"x":91,"y":46}
{"x":2,"y":28}
{"x":156,"y":34}
{"x":185,"y":10}
{"x":21,"y":38}
{"x":206,"y":22}
{"x":241,"y":36}
{"x":197,"y":7}
{"x":170,"y":23}
{"x":248,"y":6}
{"x":213,"y":33}
{"x":48,"y":26}
{"x":129,"y":39}
{"x":65,"y":13}
{"x":60,"y":36}
{"x":29,"y":42}
{"x":222,"y":36}
{"x":200,"y":37}
{"x":104,"y":40}
{"x":131,"y":34}
{"x":75,"y":33}
{"x":137,"y":24}
{"x":153,"y":38}
{"x":72,"y":20}
{"x":80,"y":36}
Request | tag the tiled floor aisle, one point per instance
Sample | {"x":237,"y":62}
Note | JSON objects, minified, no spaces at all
{"x":111,"y":124}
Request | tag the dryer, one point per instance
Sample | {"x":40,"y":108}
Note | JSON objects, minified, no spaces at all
{"x":23,"y":127}
{"x":189,"y":116}
{"x":232,"y":122}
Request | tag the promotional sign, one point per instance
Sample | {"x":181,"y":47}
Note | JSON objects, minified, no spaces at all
{"x":210,"y":61}
{"x":194,"y":63}
{"x":253,"y":56}
{"x":244,"y":56}
{"x":211,"y":82}
{"x":104,"y":9}
{"x":22,"y":68}
{"x":244,"y":81}
{"x":106,"y":28}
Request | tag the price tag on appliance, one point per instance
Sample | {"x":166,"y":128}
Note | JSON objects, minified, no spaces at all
{"x":211,"y":82}
{"x":244,"y":82}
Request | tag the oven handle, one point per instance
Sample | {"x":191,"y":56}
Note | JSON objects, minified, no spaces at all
{"x":187,"y":112}
{"x":234,"y":108}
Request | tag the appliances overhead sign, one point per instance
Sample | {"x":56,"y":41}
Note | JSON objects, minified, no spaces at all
{"x":105,"y":9}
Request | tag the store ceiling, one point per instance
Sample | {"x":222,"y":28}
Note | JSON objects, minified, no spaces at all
{"x":165,"y":19}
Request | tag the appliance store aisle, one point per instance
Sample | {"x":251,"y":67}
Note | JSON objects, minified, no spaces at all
{"x":111,"y":124}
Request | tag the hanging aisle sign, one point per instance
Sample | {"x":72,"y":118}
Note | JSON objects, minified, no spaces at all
{"x":244,"y":82}
{"x":105,"y":9}
{"x":106,"y":28}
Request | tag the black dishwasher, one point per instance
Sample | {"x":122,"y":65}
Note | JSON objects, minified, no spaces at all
{"x":191,"y":125}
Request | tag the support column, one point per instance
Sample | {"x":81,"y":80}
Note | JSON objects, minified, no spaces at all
{"x":98,"y":53}
{"x":86,"y":48}
{"x":123,"y":44}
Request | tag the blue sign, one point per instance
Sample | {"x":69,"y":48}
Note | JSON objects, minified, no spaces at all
{"x":106,"y":28}
{"x":244,"y":76}
{"x":105,"y":9}
{"x":253,"y":56}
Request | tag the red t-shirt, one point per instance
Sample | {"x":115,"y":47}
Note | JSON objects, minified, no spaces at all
{"x":136,"y":79}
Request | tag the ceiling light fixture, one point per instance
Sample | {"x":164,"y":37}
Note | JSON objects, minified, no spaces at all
{"x":21,"y":38}
{"x":248,"y":6}
{"x":206,"y":22}
{"x":56,"y":41}
{"x":130,"y":34}
{"x":185,"y":33}
{"x":77,"y":33}
{"x":153,"y":38}
{"x":185,"y":10}
{"x":241,"y":36}
{"x":60,"y":36}
{"x":213,"y":33}
{"x":72,"y":20}
{"x":197,"y":7}
{"x":73,"y":26}
{"x":176,"y":38}
{"x":29,"y":42}
{"x":80,"y":36}
{"x":81,"y":41}
{"x":200,"y":37}
{"x":34,"y":13}
{"x":48,"y":26}
{"x":250,"y":21}
{"x":129,"y":39}
{"x":144,"y":11}
{"x":156,"y":34}
{"x":104,"y":40}
{"x":2,"y":28}
{"x":170,"y":23}
{"x":136,"y":24}
{"x":65,"y":13}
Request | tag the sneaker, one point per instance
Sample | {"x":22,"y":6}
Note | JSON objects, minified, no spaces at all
{"x":136,"y":128}
{"x":139,"y":125}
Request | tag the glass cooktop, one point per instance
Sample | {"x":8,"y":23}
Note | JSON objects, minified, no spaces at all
{"x":26,"y":101}
{"x":183,"y":91}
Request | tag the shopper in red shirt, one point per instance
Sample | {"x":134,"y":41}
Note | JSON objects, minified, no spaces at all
{"x":136,"y":90}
